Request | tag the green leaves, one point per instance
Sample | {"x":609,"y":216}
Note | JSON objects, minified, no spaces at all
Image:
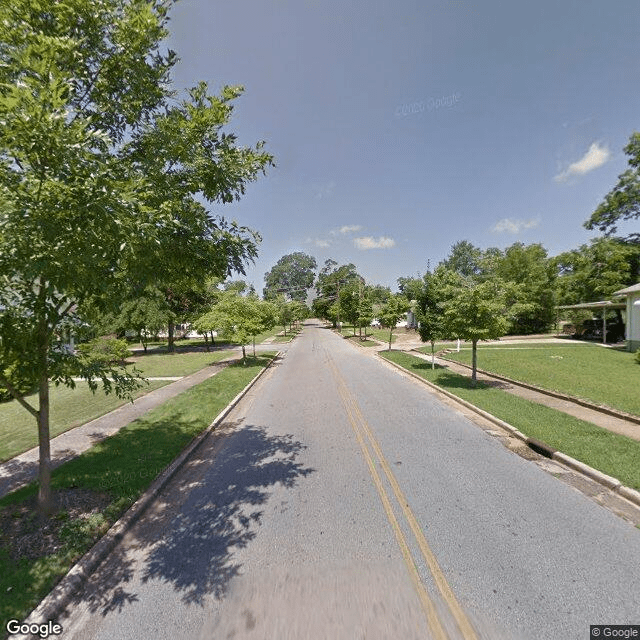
{"x":622,"y":203}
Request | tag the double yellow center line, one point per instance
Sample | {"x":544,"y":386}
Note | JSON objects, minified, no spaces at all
{"x":368,"y":443}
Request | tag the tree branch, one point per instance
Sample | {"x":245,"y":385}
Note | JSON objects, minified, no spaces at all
{"x":14,"y":392}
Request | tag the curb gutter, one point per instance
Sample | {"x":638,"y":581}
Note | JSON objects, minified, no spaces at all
{"x":58,"y":599}
{"x":536,"y":445}
{"x":555,"y":394}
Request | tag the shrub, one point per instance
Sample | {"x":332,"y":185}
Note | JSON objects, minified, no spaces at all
{"x":638,"y":356}
{"x":105,"y":350}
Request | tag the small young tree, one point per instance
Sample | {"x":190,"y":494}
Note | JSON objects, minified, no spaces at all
{"x":348,"y":302}
{"x":429,"y":310}
{"x":365,"y":314}
{"x":474,"y":312}
{"x":394,"y":309}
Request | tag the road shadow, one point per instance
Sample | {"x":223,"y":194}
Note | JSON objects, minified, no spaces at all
{"x":210,"y":511}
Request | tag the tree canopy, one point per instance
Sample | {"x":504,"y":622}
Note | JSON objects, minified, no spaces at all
{"x":622,"y":203}
{"x":104,"y":180}
{"x":292,"y":275}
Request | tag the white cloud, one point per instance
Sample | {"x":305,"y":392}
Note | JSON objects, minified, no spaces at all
{"x":322,"y":243}
{"x":595,"y":157}
{"x":509,"y":225}
{"x":368,"y":242}
{"x":347,"y":228}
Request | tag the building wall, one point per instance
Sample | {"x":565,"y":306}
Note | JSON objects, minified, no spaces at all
{"x":633,"y":321}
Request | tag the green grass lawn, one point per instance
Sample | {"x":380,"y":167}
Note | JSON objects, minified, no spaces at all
{"x":607,"y":377}
{"x":613,"y":454}
{"x":179,"y":363}
{"x":120,"y":467}
{"x":73,"y":407}
{"x":69,"y":408}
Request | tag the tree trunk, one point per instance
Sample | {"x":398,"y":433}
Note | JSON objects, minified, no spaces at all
{"x":433,"y":355}
{"x":170,"y":345}
{"x":206,"y":341}
{"x":45,"y":502}
{"x":213,"y":340}
{"x":474,"y":360}
{"x":244,"y":356}
{"x":254,"y":346}
{"x":285,"y":329}
{"x":390,"y":337}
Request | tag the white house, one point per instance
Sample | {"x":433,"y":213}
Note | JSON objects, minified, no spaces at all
{"x":632,"y":295}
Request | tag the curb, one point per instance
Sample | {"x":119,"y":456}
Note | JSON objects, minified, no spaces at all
{"x":58,"y":599}
{"x":536,"y":445}
{"x":554,"y":394}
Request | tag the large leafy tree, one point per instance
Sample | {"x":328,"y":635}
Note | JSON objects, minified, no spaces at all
{"x":331,"y":279}
{"x":103,"y":180}
{"x":622,"y":203}
{"x":292,"y":275}
{"x":529,"y":285}
{"x":464,"y":258}
{"x":596,"y":270}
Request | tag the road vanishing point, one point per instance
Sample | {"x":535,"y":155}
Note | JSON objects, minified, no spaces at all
{"x":341,"y":499}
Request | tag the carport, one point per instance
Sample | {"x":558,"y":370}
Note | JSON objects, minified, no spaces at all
{"x":603,"y":305}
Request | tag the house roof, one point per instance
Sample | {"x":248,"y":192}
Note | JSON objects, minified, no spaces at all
{"x":632,"y":289}
{"x":602,"y":304}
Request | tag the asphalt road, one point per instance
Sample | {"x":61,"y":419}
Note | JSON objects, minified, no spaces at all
{"x":344,"y":500}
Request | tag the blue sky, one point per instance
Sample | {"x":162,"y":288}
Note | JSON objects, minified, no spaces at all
{"x":399,"y":128}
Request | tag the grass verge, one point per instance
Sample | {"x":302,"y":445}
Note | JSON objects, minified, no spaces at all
{"x":69,"y":408}
{"x":607,"y":377}
{"x":613,"y":454}
{"x":115,"y":473}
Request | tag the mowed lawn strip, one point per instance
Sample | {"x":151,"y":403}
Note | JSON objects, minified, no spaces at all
{"x":608,"y":377}
{"x":74,"y":407}
{"x":119,"y":469}
{"x":608,"y":452}
{"x":153,"y":365}
{"x":69,"y":408}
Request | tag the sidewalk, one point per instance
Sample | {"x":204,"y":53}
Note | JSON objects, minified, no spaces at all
{"x":24,"y":468}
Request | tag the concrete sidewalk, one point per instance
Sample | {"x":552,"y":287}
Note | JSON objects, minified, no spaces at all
{"x":24,"y":468}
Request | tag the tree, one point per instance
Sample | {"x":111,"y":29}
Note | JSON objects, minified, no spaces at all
{"x":474,"y":312}
{"x":378,"y":294}
{"x":529,"y":284}
{"x":331,"y":279}
{"x":145,"y":314}
{"x":393,"y":309}
{"x":348,"y":302}
{"x":464,"y":259}
{"x":102,"y":181}
{"x":410,"y":286}
{"x":293,"y":275}
{"x":596,"y":270}
{"x":239,"y":318}
{"x":429,"y":310}
{"x":365,"y":312}
{"x":622,"y":203}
